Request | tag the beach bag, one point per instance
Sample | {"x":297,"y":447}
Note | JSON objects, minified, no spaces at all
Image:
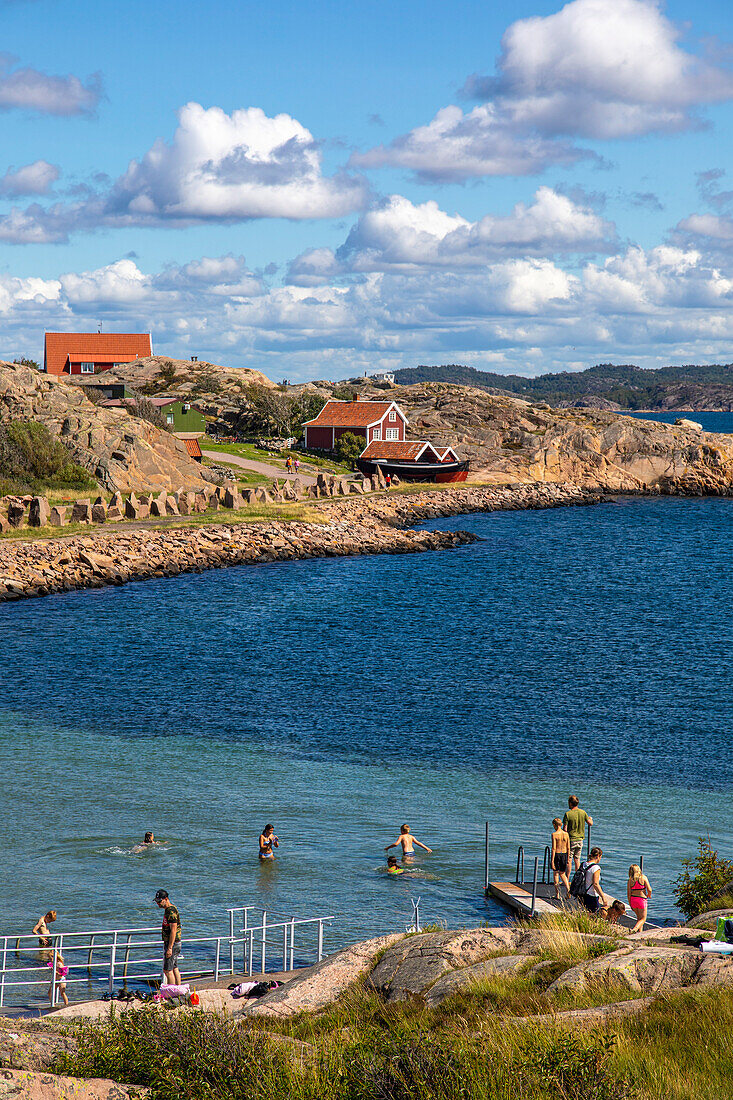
{"x":577,"y":885}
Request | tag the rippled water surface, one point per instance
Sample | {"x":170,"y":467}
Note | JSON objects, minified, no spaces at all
{"x":578,"y":649}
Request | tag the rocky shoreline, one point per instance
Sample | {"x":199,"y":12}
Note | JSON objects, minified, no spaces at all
{"x":379,"y":524}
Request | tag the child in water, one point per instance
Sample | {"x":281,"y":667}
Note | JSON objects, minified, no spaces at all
{"x":392,"y":868}
{"x":405,"y":841}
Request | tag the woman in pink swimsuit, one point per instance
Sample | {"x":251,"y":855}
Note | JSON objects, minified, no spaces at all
{"x":638,"y":892}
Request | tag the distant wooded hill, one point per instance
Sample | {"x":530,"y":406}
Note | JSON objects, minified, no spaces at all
{"x":606,"y":385}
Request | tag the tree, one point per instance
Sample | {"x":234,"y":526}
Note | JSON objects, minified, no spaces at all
{"x":712,"y":875}
{"x":23,"y":362}
{"x":143,"y":408}
{"x":348,"y":448}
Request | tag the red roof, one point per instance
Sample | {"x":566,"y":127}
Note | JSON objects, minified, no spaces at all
{"x":352,"y":414}
{"x":409,"y":451}
{"x":193,"y":447}
{"x":94,"y":347}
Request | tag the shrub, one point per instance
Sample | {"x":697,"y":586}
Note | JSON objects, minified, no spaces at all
{"x":712,"y":875}
{"x":348,"y":448}
{"x":23,"y":362}
{"x":144,"y":409}
{"x":32,"y":459}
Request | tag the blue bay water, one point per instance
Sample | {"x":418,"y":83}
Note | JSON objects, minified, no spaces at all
{"x":711,"y":421}
{"x":578,"y":650}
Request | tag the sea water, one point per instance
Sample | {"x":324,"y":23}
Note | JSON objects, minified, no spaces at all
{"x":574,"y":650}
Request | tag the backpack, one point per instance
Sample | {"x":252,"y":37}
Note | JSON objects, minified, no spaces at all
{"x":577,"y":885}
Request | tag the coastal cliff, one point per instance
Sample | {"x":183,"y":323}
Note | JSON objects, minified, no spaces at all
{"x":123,"y":453}
{"x":511,"y":440}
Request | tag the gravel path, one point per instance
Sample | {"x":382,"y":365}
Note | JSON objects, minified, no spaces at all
{"x":256,"y":467}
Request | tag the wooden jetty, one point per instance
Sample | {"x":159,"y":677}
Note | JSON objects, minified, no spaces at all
{"x":517,"y":896}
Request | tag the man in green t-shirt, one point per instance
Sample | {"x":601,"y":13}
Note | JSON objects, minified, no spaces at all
{"x":171,"y":931}
{"x":574,"y":825}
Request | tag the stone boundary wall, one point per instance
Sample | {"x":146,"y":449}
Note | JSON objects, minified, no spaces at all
{"x":35,"y":511}
{"x":353,"y":526}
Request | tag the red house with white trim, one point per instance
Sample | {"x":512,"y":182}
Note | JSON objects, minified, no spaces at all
{"x":373,"y":420}
{"x":92,"y":352}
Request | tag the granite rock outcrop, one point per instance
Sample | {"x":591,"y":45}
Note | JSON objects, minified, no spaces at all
{"x":122,"y":452}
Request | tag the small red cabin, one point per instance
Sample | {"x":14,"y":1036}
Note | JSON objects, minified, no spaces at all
{"x":92,"y":352}
{"x":373,"y":420}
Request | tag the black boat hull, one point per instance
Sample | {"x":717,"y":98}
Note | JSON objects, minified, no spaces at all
{"x":415,"y":471}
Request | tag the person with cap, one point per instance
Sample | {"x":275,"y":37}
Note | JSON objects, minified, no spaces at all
{"x":171,"y":930}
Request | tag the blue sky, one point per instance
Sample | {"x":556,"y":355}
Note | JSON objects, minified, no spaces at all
{"x":320,"y":189}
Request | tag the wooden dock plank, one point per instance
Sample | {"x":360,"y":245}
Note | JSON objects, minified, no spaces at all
{"x":518,"y":897}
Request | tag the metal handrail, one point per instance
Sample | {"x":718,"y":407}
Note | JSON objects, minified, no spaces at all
{"x":520,"y":855}
{"x":546,"y":865}
{"x":129,"y":946}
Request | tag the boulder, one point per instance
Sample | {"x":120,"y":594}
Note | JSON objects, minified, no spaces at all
{"x":214,"y":503}
{"x":504,"y":966}
{"x":23,"y":1084}
{"x":356,"y":487}
{"x":200,"y":503}
{"x":248,"y":495}
{"x":342,"y":487}
{"x":132,"y":506}
{"x":395,"y":479}
{"x":171,"y":506}
{"x":117,"y":501}
{"x":186,"y":503}
{"x":320,"y":985}
{"x":16,"y":513}
{"x":158,"y":505}
{"x":409,"y":967}
{"x":38,"y":512}
{"x":366,"y":485}
{"x":232,"y":498}
{"x":99,"y":513}
{"x":81,"y":511}
{"x":58,"y":516}
{"x":641,"y":969}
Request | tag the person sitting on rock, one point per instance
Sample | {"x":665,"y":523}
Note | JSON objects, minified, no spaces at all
{"x":612,"y":913}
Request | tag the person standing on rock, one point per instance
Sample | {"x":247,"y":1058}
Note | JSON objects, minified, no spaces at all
{"x":638,"y":891}
{"x":171,"y":931}
{"x":560,"y":857}
{"x":594,"y":898}
{"x":574,"y":824}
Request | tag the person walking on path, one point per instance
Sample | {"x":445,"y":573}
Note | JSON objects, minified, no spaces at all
{"x":268,"y":841}
{"x":171,"y":932}
{"x":288,"y":464}
{"x":297,"y":466}
{"x":41,"y":929}
{"x":574,"y":824}
{"x":594,"y":897}
{"x":560,"y":858}
{"x":388,"y":480}
{"x":405,"y":841}
{"x":638,"y":891}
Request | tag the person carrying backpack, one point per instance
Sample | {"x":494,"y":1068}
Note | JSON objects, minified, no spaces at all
{"x":593,"y":897}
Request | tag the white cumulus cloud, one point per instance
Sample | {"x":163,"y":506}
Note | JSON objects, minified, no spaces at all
{"x":232,"y":168}
{"x":596,"y":69}
{"x":31,"y":90}
{"x":32,"y":179}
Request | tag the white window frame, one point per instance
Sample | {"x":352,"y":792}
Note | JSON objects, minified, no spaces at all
{"x":86,"y":368}
{"x":392,"y":417}
{"x":376,"y":433}
{"x":392,"y":433}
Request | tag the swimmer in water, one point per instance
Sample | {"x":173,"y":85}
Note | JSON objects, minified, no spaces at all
{"x":268,"y":841}
{"x":405,"y":842}
{"x":392,"y":868}
{"x":147,"y":843}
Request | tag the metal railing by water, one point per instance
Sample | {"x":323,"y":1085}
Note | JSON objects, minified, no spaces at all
{"x":108,"y":956}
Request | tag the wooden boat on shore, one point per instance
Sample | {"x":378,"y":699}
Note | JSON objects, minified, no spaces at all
{"x":412,"y":461}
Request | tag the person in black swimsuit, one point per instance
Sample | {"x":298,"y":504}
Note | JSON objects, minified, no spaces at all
{"x":560,"y":857}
